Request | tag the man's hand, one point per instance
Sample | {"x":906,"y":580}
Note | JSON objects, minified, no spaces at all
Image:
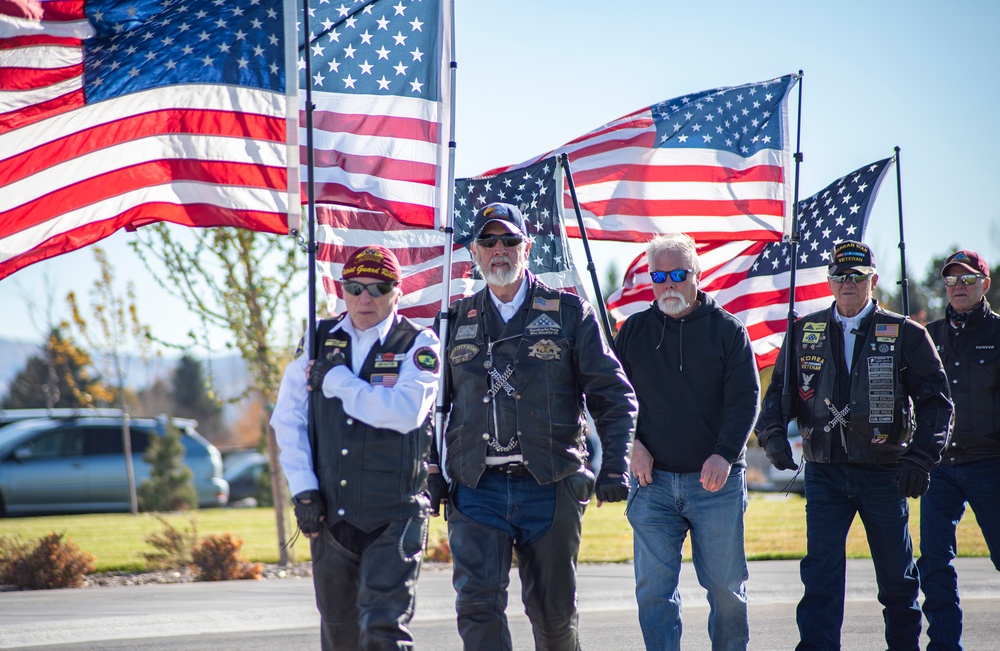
{"x":318,"y":368}
{"x":642,"y":463}
{"x":911,"y":479}
{"x":437,"y":490}
{"x":777,"y":449}
{"x":309,"y":512}
{"x":611,"y":487}
{"x":714,"y":473}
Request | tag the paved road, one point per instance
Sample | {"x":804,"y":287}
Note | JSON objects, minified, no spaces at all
{"x":259,"y":615}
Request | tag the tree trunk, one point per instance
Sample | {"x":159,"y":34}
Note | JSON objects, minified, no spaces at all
{"x":277,"y":492}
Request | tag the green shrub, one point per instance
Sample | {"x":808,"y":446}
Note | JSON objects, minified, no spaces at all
{"x":52,"y":563}
{"x":169,"y":486}
{"x":173,"y":546}
{"x":218,"y":558}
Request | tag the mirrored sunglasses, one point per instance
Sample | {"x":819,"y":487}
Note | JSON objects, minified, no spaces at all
{"x":374,"y":289}
{"x":967,"y":279}
{"x":510,"y":240}
{"x":677,"y":275}
{"x":857,"y":279}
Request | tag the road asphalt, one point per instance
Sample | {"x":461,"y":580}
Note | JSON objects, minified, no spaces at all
{"x":252,"y":615}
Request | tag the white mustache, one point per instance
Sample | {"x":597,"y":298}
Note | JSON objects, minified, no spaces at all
{"x":672,"y":308}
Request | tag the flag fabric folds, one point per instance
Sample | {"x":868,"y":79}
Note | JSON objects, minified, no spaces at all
{"x":381,"y":118}
{"x":751,"y":279}
{"x":114,"y":115}
{"x":713,"y":164}
{"x":421,"y":251}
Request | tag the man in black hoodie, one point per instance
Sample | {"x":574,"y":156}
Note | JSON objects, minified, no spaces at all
{"x":695,"y":378}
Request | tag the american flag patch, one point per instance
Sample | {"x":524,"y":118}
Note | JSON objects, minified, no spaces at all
{"x":387,"y":380}
{"x":886,"y":329}
{"x":546,"y":304}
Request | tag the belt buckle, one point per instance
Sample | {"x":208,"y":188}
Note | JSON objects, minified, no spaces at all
{"x":516,"y":469}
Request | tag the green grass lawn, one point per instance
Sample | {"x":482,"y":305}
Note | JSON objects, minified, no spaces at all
{"x":775,"y":528}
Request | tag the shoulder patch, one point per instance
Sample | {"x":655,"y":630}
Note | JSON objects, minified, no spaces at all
{"x":426,"y":359}
{"x":300,"y":348}
{"x":545,"y":304}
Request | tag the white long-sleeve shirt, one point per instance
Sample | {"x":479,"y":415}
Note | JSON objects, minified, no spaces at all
{"x":401,"y":407}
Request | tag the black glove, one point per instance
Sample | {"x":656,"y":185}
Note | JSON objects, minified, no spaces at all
{"x":911,"y":479}
{"x":778,"y":451}
{"x":322,"y":365}
{"x":612,"y":486}
{"x":308,"y":511}
{"x":437,"y":490}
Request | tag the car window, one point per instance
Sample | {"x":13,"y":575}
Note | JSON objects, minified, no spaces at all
{"x":103,"y":440}
{"x":58,"y":443}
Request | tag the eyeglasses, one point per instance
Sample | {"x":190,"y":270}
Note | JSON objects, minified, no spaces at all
{"x":510,"y":240}
{"x":857,"y":279}
{"x":677,"y":275}
{"x":374,"y":289}
{"x":967,"y":279}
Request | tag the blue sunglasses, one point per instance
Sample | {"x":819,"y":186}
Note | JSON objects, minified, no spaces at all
{"x":677,"y":275}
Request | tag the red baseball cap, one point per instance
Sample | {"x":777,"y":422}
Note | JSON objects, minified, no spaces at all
{"x":968,"y":259}
{"x":372,"y":262}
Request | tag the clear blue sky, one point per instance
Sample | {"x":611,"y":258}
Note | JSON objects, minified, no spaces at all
{"x":534,"y":74}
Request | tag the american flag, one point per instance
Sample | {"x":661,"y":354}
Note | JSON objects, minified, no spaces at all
{"x":750,"y":279}
{"x":114,"y":115}
{"x":713,"y":164}
{"x":381,"y":119}
{"x":421,"y":251}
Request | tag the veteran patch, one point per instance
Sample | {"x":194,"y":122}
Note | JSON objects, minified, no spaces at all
{"x":426,"y":359}
{"x":386,"y":380}
{"x":339,"y":343}
{"x":467,"y":332}
{"x":545,"y":349}
{"x":545,"y":304}
{"x":543,"y":325}
{"x":462,"y":353}
{"x":472,"y":313}
{"x":813,"y":333}
{"x":386,"y":360}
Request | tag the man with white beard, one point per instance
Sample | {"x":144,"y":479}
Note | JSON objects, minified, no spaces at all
{"x":695,"y":378}
{"x":522,"y":358}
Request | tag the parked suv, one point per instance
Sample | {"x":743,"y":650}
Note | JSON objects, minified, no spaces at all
{"x":74,"y":462}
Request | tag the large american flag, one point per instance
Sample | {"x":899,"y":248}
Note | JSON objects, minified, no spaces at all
{"x":114,"y":115}
{"x":381,"y":119}
{"x":713,"y":164}
{"x":750,"y":279}
{"x":421,"y":251}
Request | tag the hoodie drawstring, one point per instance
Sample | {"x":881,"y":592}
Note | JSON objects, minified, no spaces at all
{"x":663,"y":332}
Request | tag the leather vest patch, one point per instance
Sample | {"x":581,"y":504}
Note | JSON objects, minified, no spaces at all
{"x":881,"y":398}
{"x":545,"y":350}
{"x":543,"y":325}
{"x":463,"y":353}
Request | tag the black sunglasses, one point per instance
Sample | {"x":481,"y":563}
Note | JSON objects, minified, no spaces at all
{"x":967,"y":279}
{"x":677,"y":275}
{"x":374,"y":289}
{"x":857,"y":279}
{"x":510,"y":240}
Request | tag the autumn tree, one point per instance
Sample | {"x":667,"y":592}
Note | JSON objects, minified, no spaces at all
{"x":113,"y":331}
{"x":243,"y":283}
{"x":61,"y":376}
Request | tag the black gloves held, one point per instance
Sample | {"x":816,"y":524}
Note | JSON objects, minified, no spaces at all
{"x":437,"y":490}
{"x":911,"y":479}
{"x":612,"y":486}
{"x":308,"y":511}
{"x":777,"y":449}
{"x":322,"y":365}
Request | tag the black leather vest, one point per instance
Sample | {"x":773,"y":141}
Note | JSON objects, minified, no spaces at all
{"x":369,"y":476}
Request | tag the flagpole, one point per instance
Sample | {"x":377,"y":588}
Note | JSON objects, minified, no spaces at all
{"x":448,"y":228}
{"x":793,"y":243}
{"x":598,"y":298}
{"x":903,"y":280}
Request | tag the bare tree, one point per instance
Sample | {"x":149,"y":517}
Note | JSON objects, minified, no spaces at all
{"x":114,"y":332}
{"x":242,"y":282}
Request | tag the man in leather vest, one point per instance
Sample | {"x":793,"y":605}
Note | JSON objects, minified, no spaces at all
{"x":968,"y":340}
{"x":874,"y":410}
{"x":358,"y":469}
{"x":520,"y":359}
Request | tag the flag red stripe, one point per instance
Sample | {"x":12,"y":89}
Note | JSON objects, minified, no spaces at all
{"x":407,"y":256}
{"x":63,"y":10}
{"x":134,"y":127}
{"x":684,"y":208}
{"x":679,"y":173}
{"x":363,"y":221}
{"x":380,"y":166}
{"x":778,"y":296}
{"x":640,"y":120}
{"x":412,"y":213}
{"x":375,"y":125}
{"x":35,"y":112}
{"x":78,"y":195}
{"x":644,"y":236}
{"x":31,"y":78}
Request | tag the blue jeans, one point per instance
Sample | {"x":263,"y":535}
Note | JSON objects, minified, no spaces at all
{"x":661,"y":515}
{"x":941,"y":509}
{"x":835,"y":493}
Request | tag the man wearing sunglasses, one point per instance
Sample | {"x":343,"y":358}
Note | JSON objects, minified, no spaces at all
{"x":695,"y":377}
{"x":872,"y":403}
{"x":358,"y":469}
{"x":968,"y":340}
{"x":521,"y":360}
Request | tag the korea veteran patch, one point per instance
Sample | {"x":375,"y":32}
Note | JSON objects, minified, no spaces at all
{"x":426,"y":359}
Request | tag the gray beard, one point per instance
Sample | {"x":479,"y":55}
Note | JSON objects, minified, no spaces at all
{"x":501,"y":278}
{"x":672,"y":308}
